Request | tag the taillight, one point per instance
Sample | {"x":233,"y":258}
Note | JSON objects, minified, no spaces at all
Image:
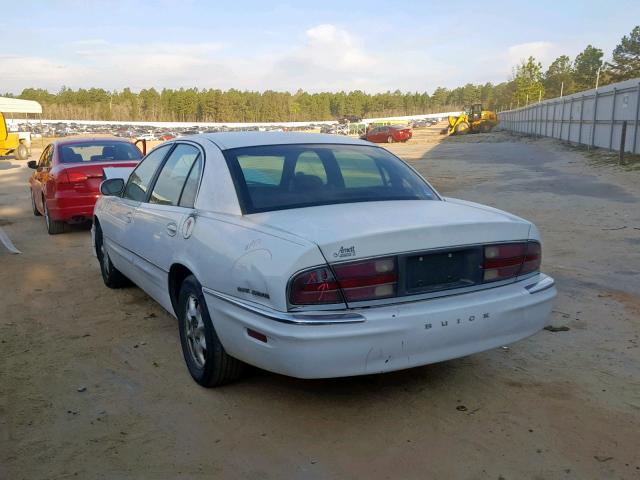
{"x":67,"y":177}
{"x":532,"y":259}
{"x":356,"y":281}
{"x":368,"y":280}
{"x":315,"y":287}
{"x":509,"y":260}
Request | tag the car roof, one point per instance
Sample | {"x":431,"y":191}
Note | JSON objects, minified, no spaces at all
{"x":75,"y":140}
{"x":229,"y":140}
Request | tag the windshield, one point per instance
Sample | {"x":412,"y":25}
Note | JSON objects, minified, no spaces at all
{"x":98,"y":151}
{"x":277,"y":177}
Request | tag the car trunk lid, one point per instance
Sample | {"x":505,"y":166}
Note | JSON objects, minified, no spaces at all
{"x":369,"y":229}
{"x":87,"y":176}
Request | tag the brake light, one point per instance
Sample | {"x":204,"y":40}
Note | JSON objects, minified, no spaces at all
{"x":356,"y":281}
{"x":368,"y":280}
{"x":73,"y":177}
{"x":315,"y":287}
{"x":532,"y":259}
{"x":510,"y":260}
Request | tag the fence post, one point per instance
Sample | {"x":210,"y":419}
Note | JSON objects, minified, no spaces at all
{"x":570,"y":117}
{"x":613,"y":116}
{"x":593,"y":125}
{"x":580,"y":124}
{"x":546,"y":122}
{"x":553,"y":123}
{"x":540,"y":119}
{"x":561,"y":120}
{"x":635,"y":124}
{"x":623,"y":138}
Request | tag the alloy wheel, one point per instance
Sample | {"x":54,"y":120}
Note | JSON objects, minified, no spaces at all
{"x":105,"y":263}
{"x":194,"y":331}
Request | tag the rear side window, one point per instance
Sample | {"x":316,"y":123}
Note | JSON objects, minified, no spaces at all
{"x":140,"y":179}
{"x":173,"y":175}
{"x":188,"y":197}
{"x":276,"y":177}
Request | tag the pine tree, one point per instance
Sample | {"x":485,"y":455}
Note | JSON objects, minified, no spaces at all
{"x":528,"y":82}
{"x":559,"y":77}
{"x":626,"y":58}
{"x":586,"y":66}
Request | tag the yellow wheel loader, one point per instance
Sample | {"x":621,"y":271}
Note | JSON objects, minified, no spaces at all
{"x":11,"y":145}
{"x":472,"y":120}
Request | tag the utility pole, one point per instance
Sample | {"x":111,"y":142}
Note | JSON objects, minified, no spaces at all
{"x":561,"y":89}
{"x":598,"y":75}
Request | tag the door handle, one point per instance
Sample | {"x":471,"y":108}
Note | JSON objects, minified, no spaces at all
{"x":127,"y":217}
{"x":172,"y":229}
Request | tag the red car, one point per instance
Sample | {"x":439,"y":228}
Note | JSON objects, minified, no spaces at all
{"x":66,"y":182}
{"x":388,"y":134}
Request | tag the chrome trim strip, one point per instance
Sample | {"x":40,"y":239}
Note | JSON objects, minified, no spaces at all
{"x":319,"y":318}
{"x":544,"y":284}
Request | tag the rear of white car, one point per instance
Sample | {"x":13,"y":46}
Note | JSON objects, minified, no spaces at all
{"x":318,"y":256}
{"x":402,"y":283}
{"x":436,"y":282}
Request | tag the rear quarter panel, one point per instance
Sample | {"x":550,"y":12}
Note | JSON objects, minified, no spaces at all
{"x":232,"y":257}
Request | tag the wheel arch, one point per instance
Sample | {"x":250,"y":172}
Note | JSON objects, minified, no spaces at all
{"x":96,"y":228}
{"x":177,"y":274}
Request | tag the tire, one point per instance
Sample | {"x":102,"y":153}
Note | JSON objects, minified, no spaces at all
{"x":111,"y":276}
{"x":462,"y":128}
{"x":208,"y":364}
{"x":485,"y":127}
{"x":21,"y":153}
{"x":54,"y":227}
{"x":36,"y":212}
{"x":389,"y":139}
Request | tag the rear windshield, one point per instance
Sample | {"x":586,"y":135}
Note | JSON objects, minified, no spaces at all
{"x":98,"y":151}
{"x":277,"y":177}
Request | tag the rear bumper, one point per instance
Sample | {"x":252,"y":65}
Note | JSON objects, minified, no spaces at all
{"x":381,"y":339}
{"x":72,"y":206}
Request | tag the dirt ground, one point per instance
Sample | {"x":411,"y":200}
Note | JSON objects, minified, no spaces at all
{"x":93,"y":384}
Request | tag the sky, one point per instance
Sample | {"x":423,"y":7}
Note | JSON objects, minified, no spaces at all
{"x":315,"y":45}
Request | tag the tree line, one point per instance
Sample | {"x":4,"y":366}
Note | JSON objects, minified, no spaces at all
{"x":528,"y":83}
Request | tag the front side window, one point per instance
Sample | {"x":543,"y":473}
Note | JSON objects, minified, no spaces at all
{"x":276,"y":177}
{"x":173,"y":175}
{"x":141,"y":177}
{"x":45,"y":158}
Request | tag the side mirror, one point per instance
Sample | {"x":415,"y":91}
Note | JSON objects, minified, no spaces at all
{"x":112,"y":186}
{"x":32,"y":164}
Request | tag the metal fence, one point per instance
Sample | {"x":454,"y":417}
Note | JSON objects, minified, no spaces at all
{"x":597,"y":118}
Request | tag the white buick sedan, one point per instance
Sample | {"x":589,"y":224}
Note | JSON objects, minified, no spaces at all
{"x":315,"y":256}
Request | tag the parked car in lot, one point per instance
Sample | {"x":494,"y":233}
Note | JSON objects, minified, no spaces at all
{"x":147,"y":136}
{"x":66,"y":181}
{"x":388,"y":134}
{"x":315,"y":256}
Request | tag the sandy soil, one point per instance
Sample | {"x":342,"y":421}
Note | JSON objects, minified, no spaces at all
{"x":93,"y":385}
